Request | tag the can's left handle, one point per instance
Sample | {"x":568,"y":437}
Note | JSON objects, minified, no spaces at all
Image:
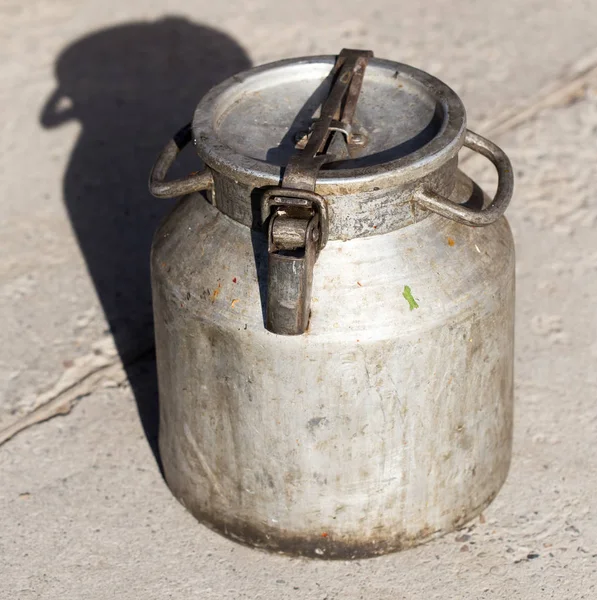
{"x":195,"y":182}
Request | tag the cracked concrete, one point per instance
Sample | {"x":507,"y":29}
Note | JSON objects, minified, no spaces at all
{"x":84,"y":510}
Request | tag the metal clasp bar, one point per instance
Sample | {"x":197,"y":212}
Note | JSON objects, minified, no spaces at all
{"x":297,"y":226}
{"x":296,"y":217}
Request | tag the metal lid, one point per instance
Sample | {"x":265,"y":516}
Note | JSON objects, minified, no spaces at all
{"x":410,"y":122}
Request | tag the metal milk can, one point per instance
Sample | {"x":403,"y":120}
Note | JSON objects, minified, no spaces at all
{"x":334,"y":318}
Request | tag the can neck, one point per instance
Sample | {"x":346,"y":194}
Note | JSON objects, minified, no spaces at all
{"x":351,"y":215}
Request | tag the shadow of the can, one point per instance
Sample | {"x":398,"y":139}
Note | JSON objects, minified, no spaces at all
{"x":130,"y":87}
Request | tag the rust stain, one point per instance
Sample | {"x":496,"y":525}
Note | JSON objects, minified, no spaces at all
{"x":324,"y":534}
{"x":216,"y":292}
{"x":359,"y":284}
{"x":233,"y":302}
{"x":308,"y":328}
{"x":451,"y":241}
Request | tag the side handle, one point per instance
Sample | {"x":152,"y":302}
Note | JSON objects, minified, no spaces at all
{"x":468,"y":216}
{"x":195,"y":182}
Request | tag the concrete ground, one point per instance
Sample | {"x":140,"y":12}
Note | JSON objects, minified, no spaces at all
{"x":89,"y":92}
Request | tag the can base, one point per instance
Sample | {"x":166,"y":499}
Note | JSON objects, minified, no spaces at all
{"x":327,"y":546}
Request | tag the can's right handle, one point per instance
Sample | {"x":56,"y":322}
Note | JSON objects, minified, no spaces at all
{"x":468,"y":216}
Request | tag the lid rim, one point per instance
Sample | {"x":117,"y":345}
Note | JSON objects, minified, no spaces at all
{"x":440,"y":149}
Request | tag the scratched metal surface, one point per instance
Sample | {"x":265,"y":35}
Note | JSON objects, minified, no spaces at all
{"x":383,"y":425}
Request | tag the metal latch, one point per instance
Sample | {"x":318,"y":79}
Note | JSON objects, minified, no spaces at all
{"x":295,"y":216}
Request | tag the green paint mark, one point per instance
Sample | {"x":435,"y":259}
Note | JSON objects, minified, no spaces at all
{"x":412,"y":303}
